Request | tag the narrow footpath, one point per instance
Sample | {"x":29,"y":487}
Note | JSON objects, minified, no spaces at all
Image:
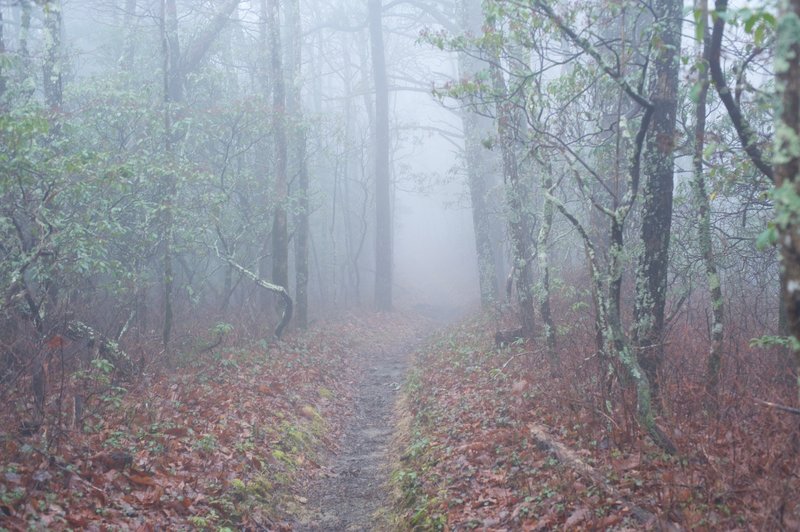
{"x":352,"y":489}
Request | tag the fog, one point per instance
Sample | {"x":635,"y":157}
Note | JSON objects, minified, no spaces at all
{"x":434,"y":238}
{"x":351,"y":154}
{"x":611,"y":186}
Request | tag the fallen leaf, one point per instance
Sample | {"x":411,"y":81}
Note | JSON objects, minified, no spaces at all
{"x":578,"y":516}
{"x":142,"y":480}
{"x":632,"y":462}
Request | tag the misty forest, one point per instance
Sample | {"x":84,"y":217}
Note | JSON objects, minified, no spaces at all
{"x":399,"y":265}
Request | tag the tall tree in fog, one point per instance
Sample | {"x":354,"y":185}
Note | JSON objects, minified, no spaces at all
{"x":173,"y":94}
{"x":509,"y":121}
{"x":171,"y":50}
{"x":129,"y":44}
{"x":479,"y":159}
{"x":784,"y":159}
{"x":658,"y":170}
{"x":24,"y":29}
{"x":784,"y":168}
{"x":543,"y":251}
{"x":177,"y":66}
{"x":787,"y":160}
{"x":2,"y":58}
{"x":383,"y":208}
{"x":280,"y":229}
{"x":299,"y":168}
{"x":702,"y":206}
{"x":53,"y":74}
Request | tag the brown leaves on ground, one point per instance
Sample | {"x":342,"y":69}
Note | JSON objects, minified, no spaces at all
{"x":472,"y":461}
{"x":226,"y":440}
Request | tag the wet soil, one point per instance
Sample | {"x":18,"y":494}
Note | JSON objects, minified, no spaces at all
{"x":353,"y":490}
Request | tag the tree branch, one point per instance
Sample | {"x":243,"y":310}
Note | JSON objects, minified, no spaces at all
{"x":590,"y":50}
{"x":740,"y":123}
{"x":281,"y":291}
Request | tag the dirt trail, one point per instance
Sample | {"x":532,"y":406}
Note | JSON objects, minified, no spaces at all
{"x":353,"y":489}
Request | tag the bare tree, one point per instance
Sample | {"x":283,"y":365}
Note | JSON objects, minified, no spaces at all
{"x":294,"y":109}
{"x":383,"y":207}
{"x":280,"y":228}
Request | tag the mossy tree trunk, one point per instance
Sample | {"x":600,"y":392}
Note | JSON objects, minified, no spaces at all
{"x":787,"y":160}
{"x":703,"y":212}
{"x":518,"y":219}
{"x":658,"y":170}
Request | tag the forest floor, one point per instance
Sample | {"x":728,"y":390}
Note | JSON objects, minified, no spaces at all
{"x":495,"y":441}
{"x":352,"y":491}
{"x":377,"y":422}
{"x":268,"y":437}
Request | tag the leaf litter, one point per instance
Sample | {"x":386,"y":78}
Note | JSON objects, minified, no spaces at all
{"x":231,"y":439}
{"x":494,"y":441}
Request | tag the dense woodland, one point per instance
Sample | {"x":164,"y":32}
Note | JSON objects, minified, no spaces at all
{"x":188,"y":182}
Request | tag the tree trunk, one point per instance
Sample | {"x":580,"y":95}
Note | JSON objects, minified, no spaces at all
{"x":168,"y":40}
{"x":787,"y":160}
{"x":703,"y":208}
{"x":658,"y":169}
{"x":2,"y":61}
{"x":515,"y":194}
{"x":131,"y":30}
{"x":53,"y":65}
{"x":175,"y":71}
{"x":174,"y":80}
{"x":544,"y":272}
{"x":280,"y":230}
{"x":476,"y":156}
{"x":294,"y":109}
{"x":383,"y":208}
{"x":24,"y":30}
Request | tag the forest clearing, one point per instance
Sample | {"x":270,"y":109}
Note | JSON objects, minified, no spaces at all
{"x":399,"y":265}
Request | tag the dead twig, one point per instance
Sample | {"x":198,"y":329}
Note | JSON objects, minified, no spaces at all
{"x":789,"y":409}
{"x":515,"y":356}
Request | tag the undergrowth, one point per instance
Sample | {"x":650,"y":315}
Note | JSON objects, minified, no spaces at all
{"x":223,"y":440}
{"x":469,"y":457}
